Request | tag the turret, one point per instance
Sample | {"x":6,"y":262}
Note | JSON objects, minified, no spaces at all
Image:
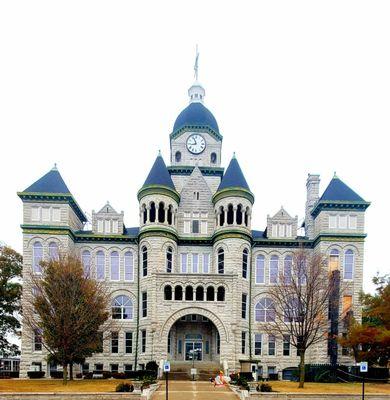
{"x":233,"y":200}
{"x":158,"y":198}
{"x":49,"y":202}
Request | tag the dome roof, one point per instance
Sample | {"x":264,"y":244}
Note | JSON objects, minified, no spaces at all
{"x":196,"y":115}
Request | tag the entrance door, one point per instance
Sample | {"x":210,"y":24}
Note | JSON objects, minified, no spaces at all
{"x":194,"y":351}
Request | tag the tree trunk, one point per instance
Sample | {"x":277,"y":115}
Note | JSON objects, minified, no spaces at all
{"x":65,"y":376}
{"x":71,"y":371}
{"x":302,"y":369}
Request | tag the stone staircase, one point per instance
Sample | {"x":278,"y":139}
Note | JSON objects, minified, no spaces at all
{"x":205,"y":370}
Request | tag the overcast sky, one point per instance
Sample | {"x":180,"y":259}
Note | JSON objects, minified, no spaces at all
{"x":296,"y":87}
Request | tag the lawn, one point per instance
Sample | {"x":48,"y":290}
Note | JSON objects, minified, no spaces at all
{"x":55,"y":385}
{"x":310,"y":387}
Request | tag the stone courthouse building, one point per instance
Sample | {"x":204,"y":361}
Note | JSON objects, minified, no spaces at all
{"x":190,"y":280}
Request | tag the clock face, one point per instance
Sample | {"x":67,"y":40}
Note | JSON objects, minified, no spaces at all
{"x":196,"y":144}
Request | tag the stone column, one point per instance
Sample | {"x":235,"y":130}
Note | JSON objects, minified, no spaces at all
{"x":166,"y":215}
{"x":148,"y":214}
{"x":243,"y":217}
{"x":235,"y":215}
{"x":225,"y":214}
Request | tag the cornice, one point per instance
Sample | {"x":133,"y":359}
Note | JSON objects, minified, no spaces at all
{"x":158,"y":189}
{"x":233,"y":192}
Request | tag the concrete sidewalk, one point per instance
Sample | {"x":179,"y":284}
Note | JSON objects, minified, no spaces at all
{"x":187,"y":390}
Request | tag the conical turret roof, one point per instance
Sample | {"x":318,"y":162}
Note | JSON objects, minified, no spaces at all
{"x":159,"y":175}
{"x":234,"y":177}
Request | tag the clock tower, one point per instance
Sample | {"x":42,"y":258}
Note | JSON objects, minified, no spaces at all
{"x":195,"y":138}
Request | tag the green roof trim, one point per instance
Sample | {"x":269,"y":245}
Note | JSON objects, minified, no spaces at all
{"x":158,"y":189}
{"x":231,"y":234}
{"x":188,"y":169}
{"x":345,"y":237}
{"x":196,"y":128}
{"x":336,"y":205}
{"x":233,"y":192}
{"x":56,"y":197}
{"x":77,"y":236}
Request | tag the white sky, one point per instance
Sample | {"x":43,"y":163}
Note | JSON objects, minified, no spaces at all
{"x":296,"y":87}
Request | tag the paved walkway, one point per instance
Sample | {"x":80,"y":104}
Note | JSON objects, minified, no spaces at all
{"x":187,"y":390}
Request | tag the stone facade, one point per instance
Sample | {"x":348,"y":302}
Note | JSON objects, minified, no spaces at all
{"x":187,"y":274}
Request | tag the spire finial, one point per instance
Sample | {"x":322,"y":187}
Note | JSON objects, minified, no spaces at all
{"x":335,"y":175}
{"x":54,"y":167}
{"x":159,"y":153}
{"x":234,"y":154}
{"x":196,"y":65}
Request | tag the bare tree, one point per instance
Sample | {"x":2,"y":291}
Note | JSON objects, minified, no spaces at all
{"x":301,"y":299}
{"x":69,"y":310}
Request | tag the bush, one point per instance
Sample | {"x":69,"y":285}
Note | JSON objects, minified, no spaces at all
{"x":119,"y":375}
{"x":56,"y":374}
{"x":88,"y":375}
{"x":35,"y":374}
{"x":247,"y":376}
{"x":79,"y":375}
{"x":152,"y":366}
{"x":273,"y":377}
{"x":147,"y":381}
{"x":124,"y":387}
{"x":9,"y":374}
{"x":265,"y":387}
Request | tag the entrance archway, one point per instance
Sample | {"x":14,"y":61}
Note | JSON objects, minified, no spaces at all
{"x":196,"y":333}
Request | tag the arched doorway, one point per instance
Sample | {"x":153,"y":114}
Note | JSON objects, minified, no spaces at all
{"x":194,"y":328}
{"x":194,"y":337}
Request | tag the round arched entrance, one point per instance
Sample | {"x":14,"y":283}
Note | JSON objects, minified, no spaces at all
{"x":194,"y":333}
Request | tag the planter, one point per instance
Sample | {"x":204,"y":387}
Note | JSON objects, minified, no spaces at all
{"x":137,"y":387}
{"x":253,"y":386}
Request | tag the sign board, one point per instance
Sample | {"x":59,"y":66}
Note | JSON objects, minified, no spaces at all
{"x":364,"y":366}
{"x":167,"y":366}
{"x":193,"y":371}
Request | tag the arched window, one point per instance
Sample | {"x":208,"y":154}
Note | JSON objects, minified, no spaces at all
{"x":86,"y":260}
{"x":114,"y":261}
{"x":189,"y":293}
{"x":334,"y":260}
{"x":178,"y":156}
{"x":199,"y":293}
{"x":265,"y":310}
{"x":348,"y":265}
{"x":169,"y":259}
{"x":129,"y":266}
{"x":144,"y":261}
{"x":230,"y":215}
{"x":210,"y":294}
{"x":145,"y":213}
{"x":168,"y":292}
{"x":245,"y":263}
{"x":287,"y":269}
{"x":122,"y":308}
{"x":161,"y":212}
{"x":169,"y":216}
{"x":260,"y":269}
{"x":293,"y":310}
{"x":274,"y":269}
{"x":100,"y":265}
{"x":246,"y":217}
{"x":152,"y":212}
{"x":178,"y":293}
{"x":213,"y":158}
{"x":221,"y":216}
{"x":53,"y":250}
{"x":37,"y":257}
{"x":221,"y":293}
{"x":239,"y":215}
{"x":221,"y":261}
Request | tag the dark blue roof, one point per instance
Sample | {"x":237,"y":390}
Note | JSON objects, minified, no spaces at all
{"x":258,"y":234}
{"x":51,"y":182}
{"x":159,"y":174}
{"x":196,"y":114}
{"x":131,"y":231}
{"x":233,"y":177}
{"x":337,"y":190}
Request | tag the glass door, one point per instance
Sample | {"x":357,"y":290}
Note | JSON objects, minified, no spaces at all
{"x":193,"y":351}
